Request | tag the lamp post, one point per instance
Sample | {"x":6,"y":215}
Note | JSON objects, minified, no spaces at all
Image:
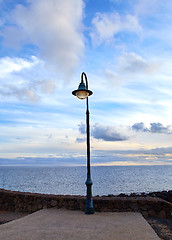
{"x":82,"y":93}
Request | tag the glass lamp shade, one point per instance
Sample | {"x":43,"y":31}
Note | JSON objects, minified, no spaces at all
{"x":82,"y":94}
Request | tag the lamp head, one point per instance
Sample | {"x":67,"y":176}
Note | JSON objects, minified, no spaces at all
{"x":82,"y":92}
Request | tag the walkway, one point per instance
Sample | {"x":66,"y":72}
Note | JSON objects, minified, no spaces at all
{"x":61,"y":224}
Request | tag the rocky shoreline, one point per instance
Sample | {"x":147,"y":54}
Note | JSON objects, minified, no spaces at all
{"x":165,"y":195}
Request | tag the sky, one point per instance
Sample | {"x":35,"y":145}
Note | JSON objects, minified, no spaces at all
{"x":124,"y":47}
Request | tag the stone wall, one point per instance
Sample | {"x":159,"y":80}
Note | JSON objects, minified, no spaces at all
{"x":166,"y":195}
{"x":31,"y":202}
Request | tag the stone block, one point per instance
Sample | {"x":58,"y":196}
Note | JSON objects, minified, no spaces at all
{"x":53,"y":203}
{"x":162,"y":214}
{"x":152,"y":213}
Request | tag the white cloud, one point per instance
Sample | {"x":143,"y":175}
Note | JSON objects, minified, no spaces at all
{"x":129,"y":66}
{"x":8,"y":65}
{"x":130,"y":23}
{"x":132,"y":63}
{"x":25,"y":79}
{"x":48,"y":86}
{"x":144,"y":7}
{"x":20,"y":93}
{"x":115,"y":1}
{"x":54,"y":26}
{"x":114,"y":78}
{"x":13,"y":85}
{"x":106,"y":26}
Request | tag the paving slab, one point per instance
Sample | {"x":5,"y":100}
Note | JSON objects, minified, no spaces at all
{"x":61,"y":224}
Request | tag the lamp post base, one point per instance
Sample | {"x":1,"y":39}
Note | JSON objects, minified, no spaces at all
{"x":89,"y":208}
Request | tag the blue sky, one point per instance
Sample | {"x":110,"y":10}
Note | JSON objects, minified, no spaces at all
{"x":125,"y":49}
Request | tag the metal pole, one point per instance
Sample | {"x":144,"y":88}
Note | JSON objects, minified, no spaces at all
{"x":89,"y":208}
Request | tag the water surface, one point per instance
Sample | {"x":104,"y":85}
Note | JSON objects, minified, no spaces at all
{"x":71,"y":180}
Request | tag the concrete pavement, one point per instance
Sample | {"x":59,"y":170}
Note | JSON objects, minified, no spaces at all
{"x":61,"y":224}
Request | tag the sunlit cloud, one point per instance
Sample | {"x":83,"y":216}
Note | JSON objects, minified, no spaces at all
{"x":9,"y":65}
{"x":98,"y":158}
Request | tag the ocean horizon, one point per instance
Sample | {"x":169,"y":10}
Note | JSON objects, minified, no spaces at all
{"x":70,"y":180}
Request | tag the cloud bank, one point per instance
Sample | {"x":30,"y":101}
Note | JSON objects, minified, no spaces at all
{"x":154,"y":156}
{"x":107,"y":133}
{"x":101,"y":132}
{"x":154,"y":128}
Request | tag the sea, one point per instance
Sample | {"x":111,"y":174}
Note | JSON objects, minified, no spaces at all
{"x":71,"y":180}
